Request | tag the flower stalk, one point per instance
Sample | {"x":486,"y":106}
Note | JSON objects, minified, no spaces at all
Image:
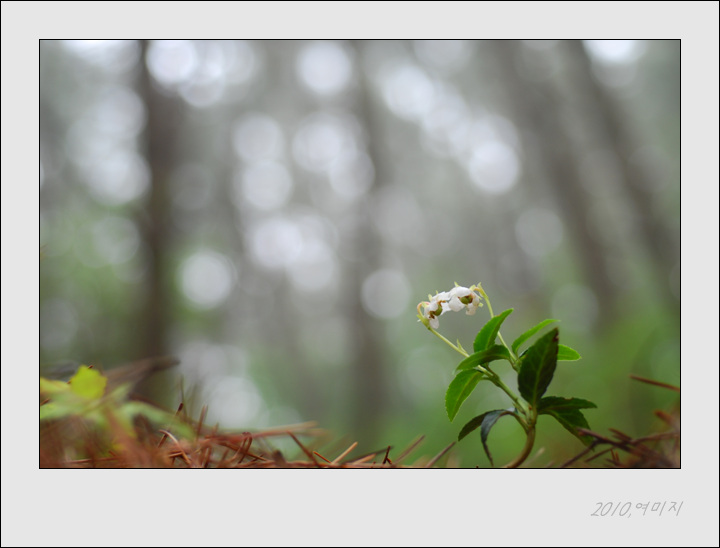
{"x":470,"y":299}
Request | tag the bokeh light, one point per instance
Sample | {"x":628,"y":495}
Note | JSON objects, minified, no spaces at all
{"x":265,"y":185}
{"x":385,"y":293}
{"x":207,"y":278}
{"x":258,"y":137}
{"x":324,"y":67}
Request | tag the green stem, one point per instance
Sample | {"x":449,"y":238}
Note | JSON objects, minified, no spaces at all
{"x":512,"y":355}
{"x":454,"y":347}
{"x":531,"y":416}
{"x":482,"y":292}
{"x":529,"y":442}
{"x":495,"y":379}
{"x":513,"y":358}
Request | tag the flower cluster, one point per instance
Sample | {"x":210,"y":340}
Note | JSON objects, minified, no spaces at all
{"x":456,"y":299}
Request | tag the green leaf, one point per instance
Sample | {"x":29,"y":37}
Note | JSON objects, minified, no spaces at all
{"x":486,"y":336}
{"x":537,"y":367}
{"x":52,"y":410}
{"x":565,"y":353}
{"x":555,"y":403}
{"x":472,"y":425}
{"x":529,"y":333}
{"x":460,"y":388}
{"x":67,"y":403}
{"x":88,"y":383}
{"x":567,"y":412}
{"x":158,"y":416}
{"x":571,"y":419}
{"x":50,"y":387}
{"x":485,"y":422}
{"x":493,"y":353}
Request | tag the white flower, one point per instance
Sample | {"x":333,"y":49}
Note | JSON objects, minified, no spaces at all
{"x":456,"y":299}
{"x":462,"y":297}
{"x":456,"y":294}
{"x":459,"y":291}
{"x":431,"y":310}
{"x":430,"y":314}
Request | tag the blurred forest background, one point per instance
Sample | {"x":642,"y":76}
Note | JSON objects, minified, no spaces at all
{"x":271,"y":213}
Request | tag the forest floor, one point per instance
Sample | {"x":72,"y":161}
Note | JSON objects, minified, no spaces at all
{"x":75,"y":442}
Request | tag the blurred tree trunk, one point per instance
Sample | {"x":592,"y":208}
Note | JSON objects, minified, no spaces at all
{"x":618,"y":134}
{"x":368,"y":367}
{"x":544,"y":135}
{"x":300,"y":383}
{"x":161,"y":141}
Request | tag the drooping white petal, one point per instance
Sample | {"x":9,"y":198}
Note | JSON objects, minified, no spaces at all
{"x":455,"y":304}
{"x":460,"y":292}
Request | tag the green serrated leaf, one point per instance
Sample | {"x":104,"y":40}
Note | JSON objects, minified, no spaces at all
{"x":460,"y":388}
{"x":493,"y":353}
{"x":486,"y":336}
{"x":485,"y":422}
{"x":471,"y":426}
{"x":537,"y":367}
{"x":554,"y":403}
{"x":529,"y":333}
{"x":571,"y":419}
{"x":88,"y":383}
{"x":565,"y":353}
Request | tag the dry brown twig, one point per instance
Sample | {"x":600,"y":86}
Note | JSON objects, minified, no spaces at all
{"x":660,"y":450}
{"x":210,"y":448}
{"x":73,"y":443}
